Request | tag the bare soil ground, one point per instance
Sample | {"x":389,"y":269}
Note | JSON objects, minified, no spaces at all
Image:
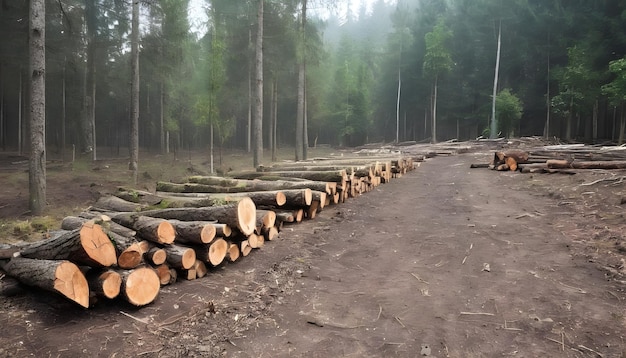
{"x":446,"y":261}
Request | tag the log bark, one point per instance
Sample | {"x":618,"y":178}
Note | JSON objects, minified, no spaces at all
{"x":88,"y":245}
{"x":105,"y":283}
{"x":113,"y":203}
{"x":222,"y":230}
{"x":301,"y":197}
{"x":565,"y":164}
{"x":155,"y":255}
{"x":140,"y":286}
{"x":193,"y":232}
{"x":138,"y":196}
{"x":265,"y":219}
{"x":149,"y":228}
{"x":270,"y":233}
{"x":241,"y":215}
{"x":320,"y":197}
{"x":100,"y":219}
{"x":58,"y":276}
{"x":285,"y":216}
{"x":272,"y":197}
{"x":336,"y":176}
{"x":244,"y":186}
{"x":311,"y":211}
{"x":180,"y":257}
{"x":165,"y":274}
{"x":130,"y":251}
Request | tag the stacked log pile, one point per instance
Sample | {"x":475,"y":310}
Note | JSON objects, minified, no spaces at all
{"x":563,"y":159}
{"x":131,"y":243}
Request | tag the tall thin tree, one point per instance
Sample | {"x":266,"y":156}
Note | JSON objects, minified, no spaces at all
{"x":37,"y":167}
{"x":134,"y":98}
{"x":257,"y":123}
{"x":301,"y":83}
{"x":493,"y":131}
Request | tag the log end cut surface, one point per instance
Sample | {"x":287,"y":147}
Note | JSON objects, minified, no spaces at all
{"x":70,"y":282}
{"x":217,"y":251}
{"x":142,"y":286}
{"x":166,"y":232}
{"x":97,"y":244}
{"x":246,"y":213}
{"x":111,"y":284}
{"x":208,"y":233}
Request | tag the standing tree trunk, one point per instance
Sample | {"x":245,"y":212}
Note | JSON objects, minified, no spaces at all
{"x":249,"y":127}
{"x":270,"y":128}
{"x":258,"y":105}
{"x":90,"y":79}
{"x":134,"y":98}
{"x":37,"y":167}
{"x":493,"y":133}
{"x":301,"y":77}
{"x":275,"y":121}
{"x":433,"y":128}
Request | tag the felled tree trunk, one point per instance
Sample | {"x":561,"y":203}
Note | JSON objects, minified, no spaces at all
{"x":263,"y":185}
{"x":265,"y":219}
{"x":241,"y":215}
{"x":222,"y":230}
{"x":271,"y":197}
{"x":233,"y":252}
{"x":193,"y":232}
{"x":214,"y":254}
{"x":88,"y":245}
{"x":180,"y":257}
{"x":140,"y":286}
{"x":565,"y":164}
{"x":114,"y":203}
{"x":149,"y":228}
{"x":105,"y":283}
{"x":58,"y":276}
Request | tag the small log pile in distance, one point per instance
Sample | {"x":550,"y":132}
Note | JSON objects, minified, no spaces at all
{"x":131,"y":243}
{"x":561,"y":159}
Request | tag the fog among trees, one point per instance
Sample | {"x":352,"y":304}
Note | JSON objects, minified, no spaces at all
{"x":406,"y":70}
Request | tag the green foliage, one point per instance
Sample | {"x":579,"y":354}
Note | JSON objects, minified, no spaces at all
{"x":616,"y":89}
{"x":509,"y":110}
{"x":437,"y":60}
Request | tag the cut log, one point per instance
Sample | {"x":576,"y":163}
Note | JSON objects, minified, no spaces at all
{"x":265,"y":219}
{"x":105,"y":283}
{"x":243,"y":186}
{"x":336,"y":176}
{"x":222,"y":230}
{"x":296,"y":198}
{"x":320,"y":197}
{"x":140,"y":286}
{"x":233,"y":252}
{"x":138,"y":196}
{"x":270,"y":233}
{"x":200,"y":268}
{"x":58,"y":276}
{"x":256,"y":241}
{"x":189,"y":274}
{"x":285,"y":216}
{"x":245,"y":248}
{"x":102,"y":220}
{"x":564,"y":164}
{"x":88,"y":245}
{"x":149,"y":228}
{"x":272,"y":197}
{"x":241,"y":215}
{"x":11,"y":287}
{"x":130,"y":251}
{"x":214,"y":254}
{"x":193,"y":232}
{"x":312,"y":209}
{"x":155,"y":255}
{"x":180,"y":257}
{"x":512,"y":163}
{"x":113,"y":203}
{"x":165,"y":274}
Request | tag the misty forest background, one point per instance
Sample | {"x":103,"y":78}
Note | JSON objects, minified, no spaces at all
{"x":371,"y":76}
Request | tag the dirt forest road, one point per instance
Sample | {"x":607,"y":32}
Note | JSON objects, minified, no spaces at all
{"x":445,"y":262}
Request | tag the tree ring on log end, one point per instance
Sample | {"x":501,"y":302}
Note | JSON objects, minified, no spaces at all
{"x":70,"y":281}
{"x":217,"y":251}
{"x":246,"y":213}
